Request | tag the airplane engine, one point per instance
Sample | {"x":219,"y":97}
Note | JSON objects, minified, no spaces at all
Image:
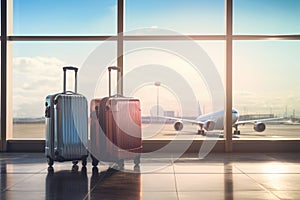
{"x":259,"y":126}
{"x":178,"y":126}
{"x":209,"y":125}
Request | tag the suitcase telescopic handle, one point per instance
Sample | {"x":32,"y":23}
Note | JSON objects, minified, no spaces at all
{"x":109,"y":78}
{"x":114,"y":68}
{"x":65,"y":77}
{"x":70,"y":68}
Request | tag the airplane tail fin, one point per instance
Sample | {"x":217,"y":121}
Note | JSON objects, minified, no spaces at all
{"x":199,"y":109}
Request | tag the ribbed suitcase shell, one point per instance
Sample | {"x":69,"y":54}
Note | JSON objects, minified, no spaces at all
{"x":115,"y":128}
{"x":67,"y":127}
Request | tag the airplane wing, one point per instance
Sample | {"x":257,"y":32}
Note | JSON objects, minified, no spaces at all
{"x":253,"y":121}
{"x":183,"y":120}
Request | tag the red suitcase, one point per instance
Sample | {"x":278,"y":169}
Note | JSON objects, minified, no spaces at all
{"x":115,"y":128}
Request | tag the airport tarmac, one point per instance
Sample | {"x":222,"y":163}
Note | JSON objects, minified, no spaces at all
{"x":166,"y":131}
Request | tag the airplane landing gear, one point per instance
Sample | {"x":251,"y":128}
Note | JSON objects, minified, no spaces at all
{"x":201,"y":132}
{"x":236,"y":131}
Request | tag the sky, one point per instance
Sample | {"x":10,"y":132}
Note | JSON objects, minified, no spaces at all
{"x":266,"y":16}
{"x":64,"y":17}
{"x":265,"y":72}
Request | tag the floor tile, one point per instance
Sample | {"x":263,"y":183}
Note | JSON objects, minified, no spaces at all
{"x":23,"y":168}
{"x":159,"y":195}
{"x":253,"y":195}
{"x":158,"y":182}
{"x":289,"y":182}
{"x":221,"y":195}
{"x":156,"y":169}
{"x":28,"y":195}
{"x":205,"y":168}
{"x":196,"y":195}
{"x":294,"y":194}
{"x":268,"y":168}
{"x":215,"y":182}
{"x":9,"y":180}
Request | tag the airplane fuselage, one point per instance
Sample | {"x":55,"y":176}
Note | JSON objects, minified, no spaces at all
{"x":218,"y":118}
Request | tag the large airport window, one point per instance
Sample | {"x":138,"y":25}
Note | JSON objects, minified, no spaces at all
{"x":170,"y":81}
{"x":266,"y":85}
{"x":64,"y":17}
{"x":186,"y":17}
{"x":172,"y":76}
{"x":37,"y":72}
{"x":266,"y":17}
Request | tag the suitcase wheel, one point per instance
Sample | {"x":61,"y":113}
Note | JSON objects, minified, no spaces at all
{"x":120,"y":164}
{"x":50,"y":161}
{"x":136,"y":168}
{"x":75,"y":168}
{"x":75,"y":162}
{"x":84,"y":162}
{"x":50,"y":169}
{"x":94,"y":161}
{"x":137,"y":160}
{"x":95,"y":171}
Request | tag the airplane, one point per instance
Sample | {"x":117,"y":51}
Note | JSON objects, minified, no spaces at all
{"x":215,"y":121}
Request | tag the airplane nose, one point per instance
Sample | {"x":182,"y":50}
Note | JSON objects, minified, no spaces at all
{"x":235,"y":116}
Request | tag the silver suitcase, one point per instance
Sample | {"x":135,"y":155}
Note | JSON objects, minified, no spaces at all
{"x":66,"y":116}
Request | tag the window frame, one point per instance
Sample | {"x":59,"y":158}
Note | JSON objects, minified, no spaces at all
{"x":225,"y":145}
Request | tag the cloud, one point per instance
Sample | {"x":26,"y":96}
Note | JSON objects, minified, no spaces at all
{"x":253,"y":103}
{"x":33,"y":79}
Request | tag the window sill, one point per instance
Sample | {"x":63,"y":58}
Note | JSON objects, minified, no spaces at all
{"x":245,"y":145}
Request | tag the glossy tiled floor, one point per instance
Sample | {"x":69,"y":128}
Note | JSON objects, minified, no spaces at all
{"x":218,"y":176}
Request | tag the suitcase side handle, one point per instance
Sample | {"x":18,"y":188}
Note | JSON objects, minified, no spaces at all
{"x":109,"y":79}
{"x":65,"y":77}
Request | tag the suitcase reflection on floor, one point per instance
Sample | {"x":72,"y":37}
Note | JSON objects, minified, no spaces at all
{"x":104,"y":185}
{"x":67,"y":184}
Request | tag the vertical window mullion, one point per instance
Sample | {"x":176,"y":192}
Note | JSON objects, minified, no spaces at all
{"x":3,"y":73}
{"x":120,"y":50}
{"x":228,"y":84}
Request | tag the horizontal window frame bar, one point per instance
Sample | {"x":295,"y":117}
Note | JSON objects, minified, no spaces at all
{"x":126,"y":37}
{"x":60,"y":38}
{"x":153,"y":37}
{"x":266,"y":37}
{"x":175,"y":37}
